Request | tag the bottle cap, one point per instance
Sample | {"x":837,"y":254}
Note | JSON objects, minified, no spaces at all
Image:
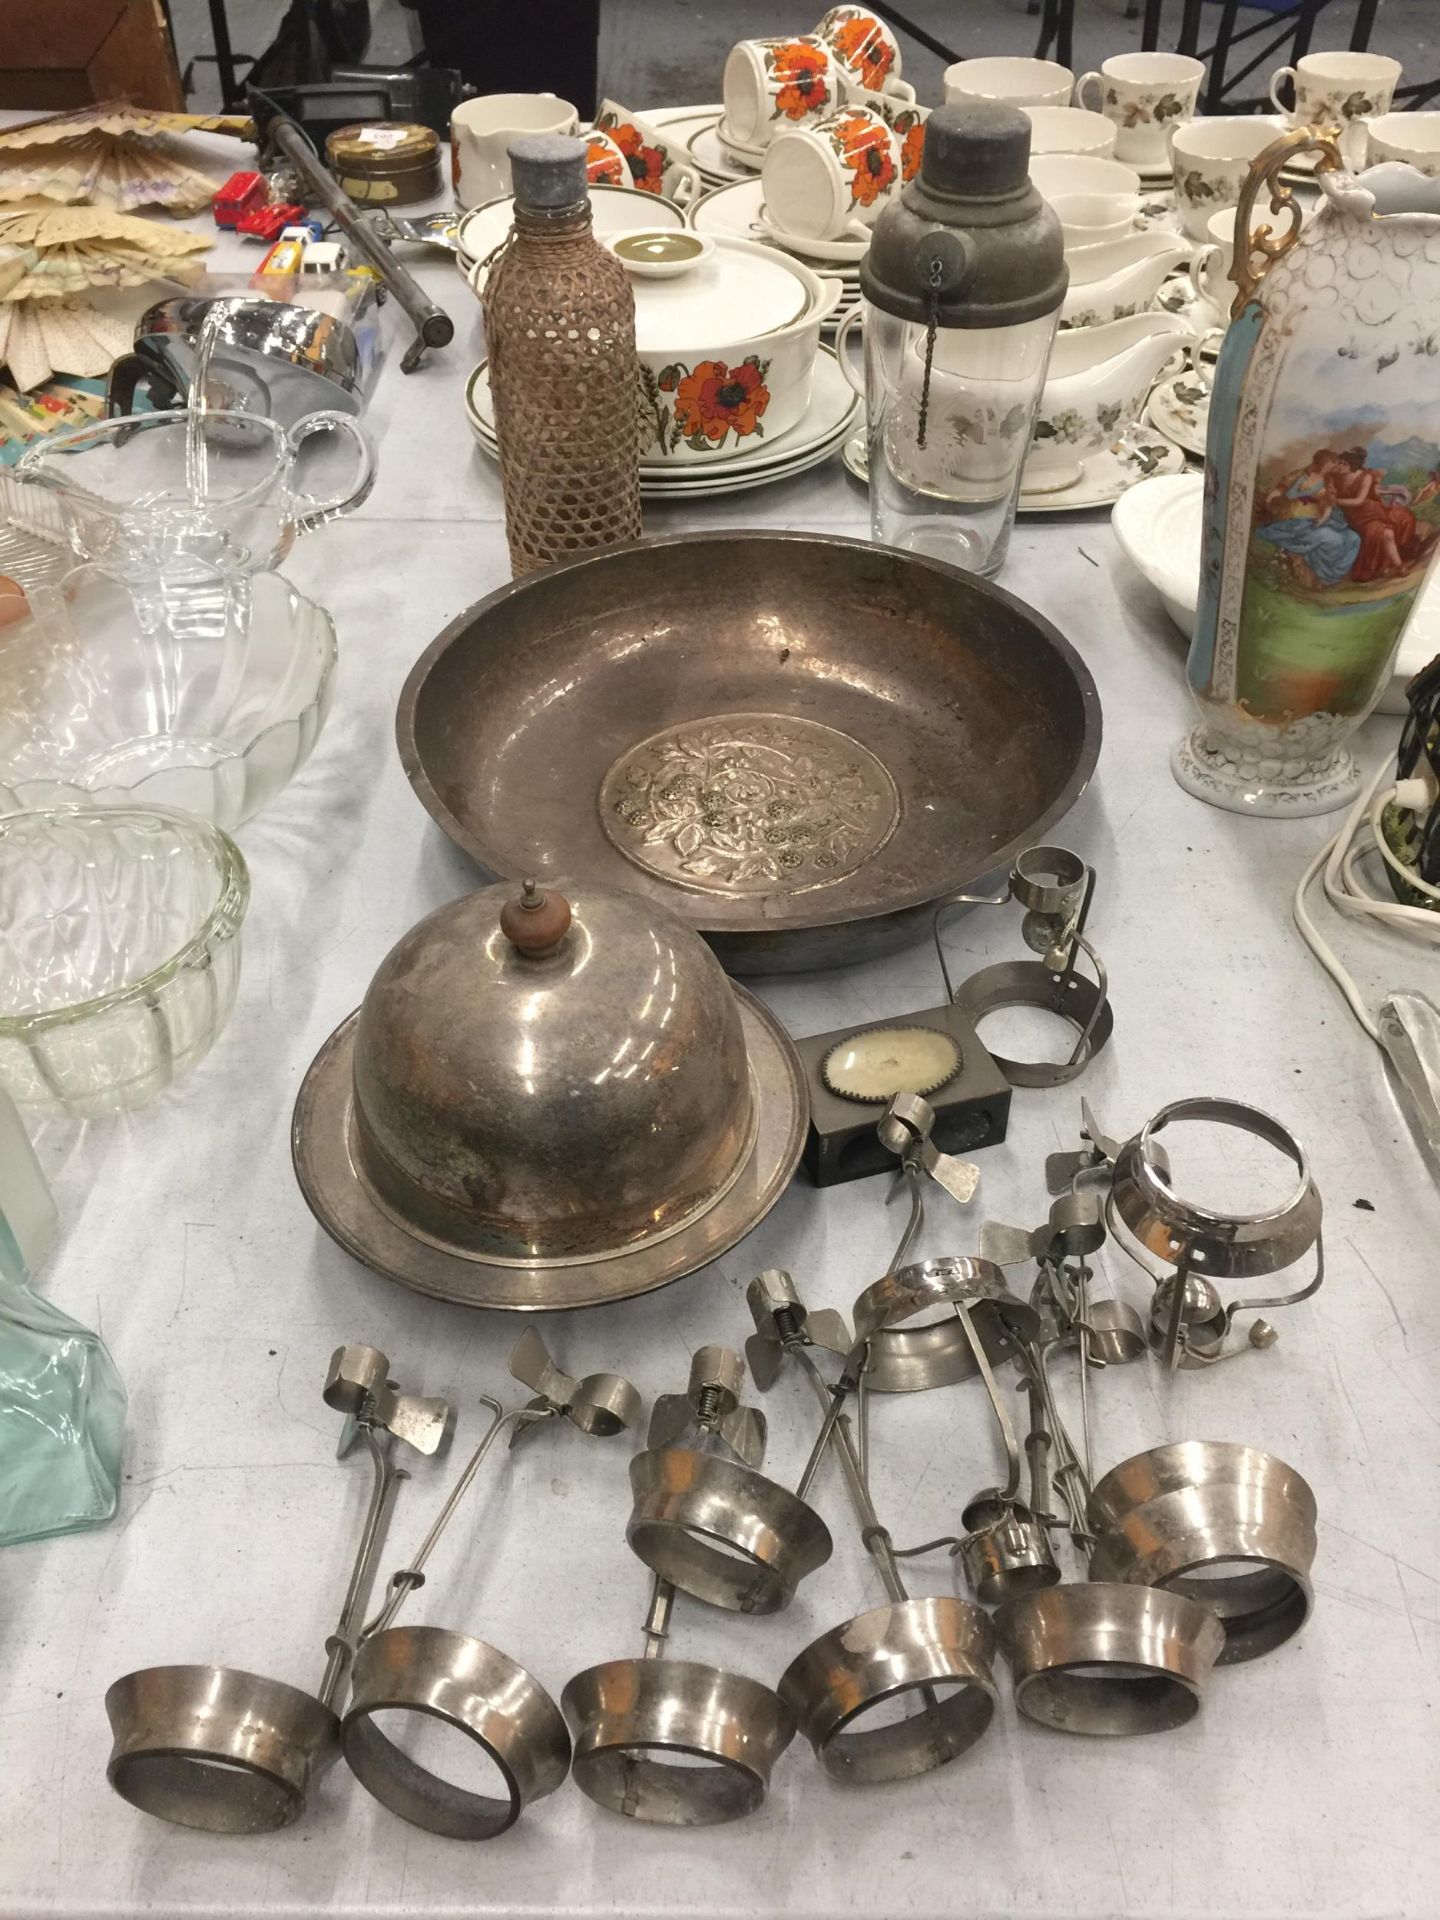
{"x":970,"y":243}
{"x":547,"y":170}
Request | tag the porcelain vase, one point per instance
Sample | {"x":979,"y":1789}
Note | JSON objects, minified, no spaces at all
{"x":1322,"y":483}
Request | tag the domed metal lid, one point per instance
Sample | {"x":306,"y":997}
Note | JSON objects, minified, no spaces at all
{"x":547,"y":1100}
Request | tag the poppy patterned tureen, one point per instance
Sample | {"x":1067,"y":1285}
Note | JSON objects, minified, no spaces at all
{"x":727,"y":349}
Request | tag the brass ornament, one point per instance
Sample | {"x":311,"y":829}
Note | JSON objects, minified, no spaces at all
{"x":1265,"y":170}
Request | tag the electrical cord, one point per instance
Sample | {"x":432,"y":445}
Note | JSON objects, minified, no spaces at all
{"x":1347,"y":889}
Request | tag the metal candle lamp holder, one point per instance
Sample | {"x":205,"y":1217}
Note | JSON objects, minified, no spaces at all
{"x":704,"y":1518}
{"x":459,"y":1680}
{"x":1056,"y":889}
{"x":678,"y":1742}
{"x":233,"y":1752}
{"x":1199,"y":1245}
{"x":940,"y":1649}
{"x":674,"y":1742}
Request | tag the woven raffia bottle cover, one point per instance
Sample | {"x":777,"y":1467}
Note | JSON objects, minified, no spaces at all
{"x":560,"y":334}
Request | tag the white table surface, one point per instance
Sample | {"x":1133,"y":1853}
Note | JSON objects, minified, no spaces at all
{"x":1307,"y":1786}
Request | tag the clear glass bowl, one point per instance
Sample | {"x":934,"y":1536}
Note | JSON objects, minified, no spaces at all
{"x":119,"y":953}
{"x":207,"y":694}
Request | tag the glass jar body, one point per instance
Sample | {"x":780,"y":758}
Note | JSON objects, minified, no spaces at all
{"x":946,"y":455}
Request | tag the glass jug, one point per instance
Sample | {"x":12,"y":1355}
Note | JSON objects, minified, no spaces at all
{"x":176,"y":492}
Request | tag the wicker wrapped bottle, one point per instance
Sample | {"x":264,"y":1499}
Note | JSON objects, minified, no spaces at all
{"x":560,"y":333}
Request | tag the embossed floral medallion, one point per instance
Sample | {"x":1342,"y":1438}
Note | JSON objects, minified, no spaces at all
{"x":746,"y":803}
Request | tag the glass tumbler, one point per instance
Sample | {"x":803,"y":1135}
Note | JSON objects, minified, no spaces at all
{"x":949,"y":414}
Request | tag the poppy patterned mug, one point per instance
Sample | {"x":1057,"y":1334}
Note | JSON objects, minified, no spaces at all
{"x":652,"y":163}
{"x":833,"y":180}
{"x":774,"y":84}
{"x":866,"y":49}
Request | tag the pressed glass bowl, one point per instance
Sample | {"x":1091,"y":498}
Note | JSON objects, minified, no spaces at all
{"x":119,"y":953}
{"x":206,"y":694}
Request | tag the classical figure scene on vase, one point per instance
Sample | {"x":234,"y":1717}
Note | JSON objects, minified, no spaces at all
{"x":1346,"y":514}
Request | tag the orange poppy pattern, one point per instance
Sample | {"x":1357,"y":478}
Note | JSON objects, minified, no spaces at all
{"x":713,"y":400}
{"x":865,"y":148}
{"x":646,"y":164}
{"x":860,"y":42}
{"x":603,"y":165}
{"x":911,"y":129}
{"x":801,"y":71}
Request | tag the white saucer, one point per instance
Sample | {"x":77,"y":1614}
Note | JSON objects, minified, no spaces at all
{"x":1105,"y":476}
{"x":1135,"y":456}
{"x":735,"y":210}
{"x":830,"y":417}
{"x":672,"y":116}
{"x":1179,"y":408}
{"x":1158,"y":527}
{"x":718,"y":164}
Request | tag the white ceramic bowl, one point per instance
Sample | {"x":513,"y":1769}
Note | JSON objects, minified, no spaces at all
{"x":1054,"y":174}
{"x":612,"y":209}
{"x":1089,"y":220}
{"x":1016,"y":80}
{"x":1071,"y":130}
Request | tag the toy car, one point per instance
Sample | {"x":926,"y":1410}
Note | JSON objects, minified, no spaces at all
{"x":307,"y":230}
{"x":268,"y":223}
{"x":241,"y":194}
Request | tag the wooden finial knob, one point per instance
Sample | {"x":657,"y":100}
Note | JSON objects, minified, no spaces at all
{"x":536,"y":920}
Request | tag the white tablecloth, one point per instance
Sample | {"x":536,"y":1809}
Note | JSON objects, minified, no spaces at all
{"x":1308,"y":1783}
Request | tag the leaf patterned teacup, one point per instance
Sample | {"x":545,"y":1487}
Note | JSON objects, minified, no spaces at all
{"x":833,"y":180}
{"x":1147,"y":95}
{"x":1211,"y":159}
{"x":1334,"y":89}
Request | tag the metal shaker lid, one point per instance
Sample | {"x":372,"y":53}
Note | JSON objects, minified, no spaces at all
{"x":548,"y":170}
{"x":970,"y":243}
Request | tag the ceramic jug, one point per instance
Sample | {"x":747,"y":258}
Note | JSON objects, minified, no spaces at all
{"x":1322,"y":482}
{"x":1095,"y":386}
{"x":1130,"y":285}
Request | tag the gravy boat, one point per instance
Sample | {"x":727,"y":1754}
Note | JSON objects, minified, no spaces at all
{"x":1096,"y":385}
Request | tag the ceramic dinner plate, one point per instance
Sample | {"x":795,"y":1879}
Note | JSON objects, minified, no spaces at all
{"x":735,"y":210}
{"x":1158,"y":528}
{"x":1104,"y":476}
{"x":1179,"y":408}
{"x":829,"y":419}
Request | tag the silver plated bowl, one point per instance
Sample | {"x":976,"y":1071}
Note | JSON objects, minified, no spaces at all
{"x":799,"y":744}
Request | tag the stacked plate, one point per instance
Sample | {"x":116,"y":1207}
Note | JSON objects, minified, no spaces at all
{"x":830,"y":419}
{"x":735,"y":210}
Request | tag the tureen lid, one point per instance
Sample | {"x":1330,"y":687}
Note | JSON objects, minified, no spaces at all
{"x":739,"y":292}
{"x":546,"y":1078}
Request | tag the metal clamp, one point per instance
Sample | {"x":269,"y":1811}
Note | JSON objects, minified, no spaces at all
{"x":1056,"y":889}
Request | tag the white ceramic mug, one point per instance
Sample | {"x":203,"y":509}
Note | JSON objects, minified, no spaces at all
{"x":773,"y":84}
{"x":653,"y":164}
{"x":1411,"y":138}
{"x":1337,"y":88}
{"x":1070,"y":130}
{"x":481,"y":131}
{"x":1020,"y":82}
{"x":832,"y":181}
{"x":865,"y":49}
{"x":1146,"y":95}
{"x":1211,"y":159}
